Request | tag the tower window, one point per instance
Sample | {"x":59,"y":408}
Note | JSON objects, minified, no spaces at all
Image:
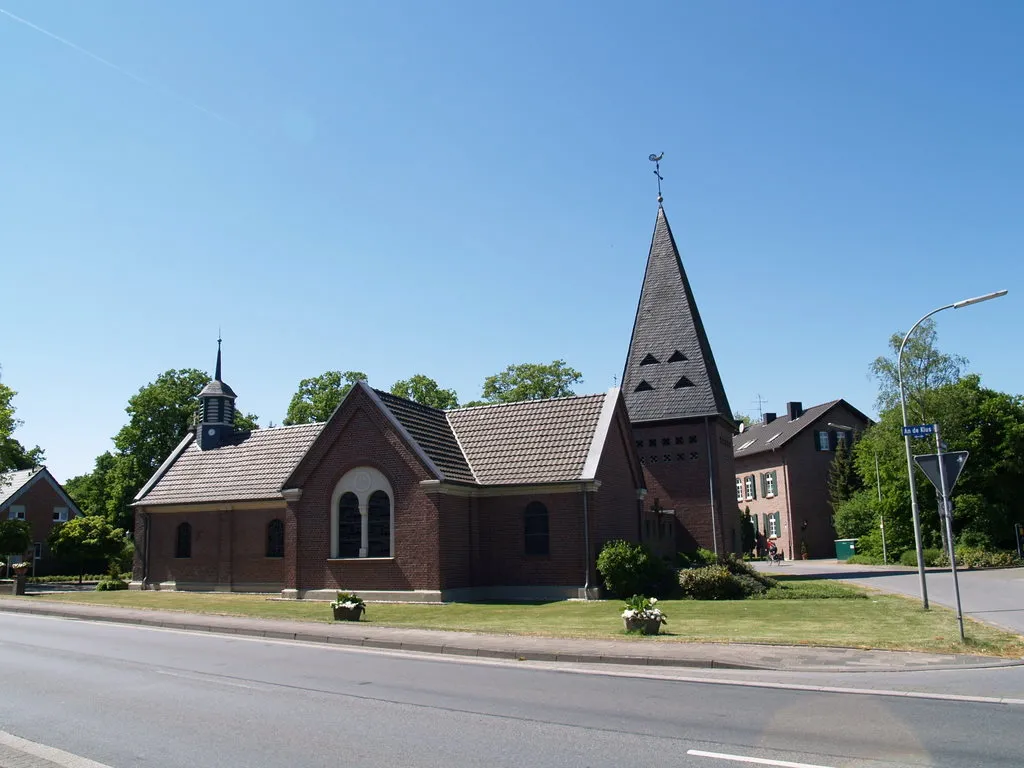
{"x":677,"y":357}
{"x":683,"y":382}
{"x":275,"y":538}
{"x":535,"y":529}
{"x":183,"y":541}
{"x":643,"y":386}
{"x":350,"y":526}
{"x":649,"y":360}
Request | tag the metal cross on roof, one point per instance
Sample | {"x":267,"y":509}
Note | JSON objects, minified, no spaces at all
{"x":656,"y":159}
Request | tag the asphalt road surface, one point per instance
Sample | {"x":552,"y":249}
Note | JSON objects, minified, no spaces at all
{"x":131,"y":696}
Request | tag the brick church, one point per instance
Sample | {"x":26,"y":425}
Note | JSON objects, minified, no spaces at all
{"x":400,"y":501}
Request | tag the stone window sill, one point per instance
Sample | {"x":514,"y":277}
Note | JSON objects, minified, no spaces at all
{"x":356,"y":559}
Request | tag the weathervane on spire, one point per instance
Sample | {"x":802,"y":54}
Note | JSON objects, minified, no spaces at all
{"x":656,"y":159}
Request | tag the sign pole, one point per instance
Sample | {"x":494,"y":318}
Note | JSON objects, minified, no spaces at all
{"x":1019,"y":530}
{"x":948,"y":515}
{"x":881,"y":514}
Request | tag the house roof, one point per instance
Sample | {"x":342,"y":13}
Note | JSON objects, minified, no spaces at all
{"x":536,"y":441}
{"x":250,"y":466}
{"x":670,"y":370}
{"x":12,"y":484}
{"x":430,"y":429}
{"x":761,"y":437}
{"x":532,"y":442}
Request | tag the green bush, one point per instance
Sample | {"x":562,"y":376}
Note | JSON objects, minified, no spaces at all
{"x":713,"y":582}
{"x":738,"y":567}
{"x":909,"y":558}
{"x":752,"y":586}
{"x":864,"y":560}
{"x":705,"y":557}
{"x":67,"y":579}
{"x":632,"y":569}
{"x":109,"y":583}
{"x":931,"y":556}
{"x":814,"y":589}
{"x":976,"y":557}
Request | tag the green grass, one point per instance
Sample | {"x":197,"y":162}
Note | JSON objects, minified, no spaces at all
{"x":818,"y":613}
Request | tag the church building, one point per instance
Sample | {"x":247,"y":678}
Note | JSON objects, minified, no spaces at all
{"x":400,"y":501}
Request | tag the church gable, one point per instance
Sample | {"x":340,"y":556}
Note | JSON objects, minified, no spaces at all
{"x":670,"y":370}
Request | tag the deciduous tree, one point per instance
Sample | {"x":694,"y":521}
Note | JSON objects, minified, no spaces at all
{"x":925,"y":368}
{"x":425,"y":391}
{"x":87,"y":541}
{"x":318,"y":396}
{"x":531,"y":381}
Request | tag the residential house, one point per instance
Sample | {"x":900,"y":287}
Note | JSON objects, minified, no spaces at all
{"x":782,"y":467}
{"x":35,"y":495}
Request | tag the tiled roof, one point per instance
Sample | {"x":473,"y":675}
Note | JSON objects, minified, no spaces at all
{"x":217,"y":388}
{"x":536,"y":441}
{"x":762,"y":437}
{"x":430,"y":429}
{"x":252,"y":466}
{"x":12,"y":482}
{"x":670,"y":370}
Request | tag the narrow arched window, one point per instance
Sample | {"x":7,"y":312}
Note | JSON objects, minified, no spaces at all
{"x":275,"y":538}
{"x":535,"y":528}
{"x":350,"y":526}
{"x":378,"y":515}
{"x":183,"y":542}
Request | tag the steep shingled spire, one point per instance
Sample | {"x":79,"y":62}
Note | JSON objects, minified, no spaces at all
{"x":668,"y":328}
{"x":216,"y":375}
{"x":216,"y":410}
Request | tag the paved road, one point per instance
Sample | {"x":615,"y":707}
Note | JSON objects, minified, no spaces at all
{"x":995,"y":596}
{"x":128,"y":696}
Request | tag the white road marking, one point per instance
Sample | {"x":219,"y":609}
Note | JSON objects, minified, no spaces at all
{"x":754,"y":760}
{"x":54,"y":755}
{"x":545,"y":665}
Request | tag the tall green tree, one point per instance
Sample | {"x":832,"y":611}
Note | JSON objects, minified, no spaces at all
{"x":925,"y":368}
{"x":15,"y":537}
{"x":531,"y":381}
{"x":425,"y":391}
{"x":743,"y":418}
{"x":843,"y":480}
{"x":318,"y":396}
{"x":13,"y":455}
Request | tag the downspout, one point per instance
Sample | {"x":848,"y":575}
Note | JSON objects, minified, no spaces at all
{"x":586,"y":543}
{"x":711,"y":484}
{"x":145,"y":549}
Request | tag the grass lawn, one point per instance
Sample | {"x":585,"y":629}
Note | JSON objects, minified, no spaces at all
{"x":801,"y":612}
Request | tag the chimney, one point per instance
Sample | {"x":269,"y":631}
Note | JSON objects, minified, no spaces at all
{"x":769,"y":418}
{"x":794,"y":410}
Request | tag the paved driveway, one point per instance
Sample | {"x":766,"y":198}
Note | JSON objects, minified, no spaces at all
{"x":995,"y":596}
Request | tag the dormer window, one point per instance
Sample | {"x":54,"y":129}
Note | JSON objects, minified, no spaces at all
{"x":649,"y":360}
{"x":683,"y":382}
{"x":643,"y":386}
{"x":677,"y":357}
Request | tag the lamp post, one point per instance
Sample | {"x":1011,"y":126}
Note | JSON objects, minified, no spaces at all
{"x":914,"y":508}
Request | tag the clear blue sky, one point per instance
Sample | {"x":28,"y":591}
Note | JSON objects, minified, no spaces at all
{"x":447,"y":188}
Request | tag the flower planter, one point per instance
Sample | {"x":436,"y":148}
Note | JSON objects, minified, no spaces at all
{"x":646,"y":626}
{"x":341,"y":613}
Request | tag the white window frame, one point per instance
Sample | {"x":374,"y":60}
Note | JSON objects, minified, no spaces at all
{"x":61,"y":514}
{"x":739,"y":489}
{"x":769,"y":485}
{"x":17,"y":512}
{"x":772,"y":527}
{"x":363,"y":482}
{"x":748,"y":486}
{"x":824,"y":444}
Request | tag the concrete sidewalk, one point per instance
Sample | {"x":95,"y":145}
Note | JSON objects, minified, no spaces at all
{"x":640,"y":651}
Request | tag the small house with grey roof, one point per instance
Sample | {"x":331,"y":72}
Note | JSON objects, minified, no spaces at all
{"x":782,"y":467}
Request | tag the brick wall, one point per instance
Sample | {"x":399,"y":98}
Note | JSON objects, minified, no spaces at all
{"x":362,"y":436}
{"x":39,"y":501}
{"x":675,"y":459}
{"x":615,"y":508}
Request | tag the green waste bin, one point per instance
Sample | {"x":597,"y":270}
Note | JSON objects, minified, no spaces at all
{"x":845,"y":548}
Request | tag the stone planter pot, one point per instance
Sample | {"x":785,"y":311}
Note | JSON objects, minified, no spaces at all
{"x":341,"y":613}
{"x":646,"y":626}
{"x":19,"y":584}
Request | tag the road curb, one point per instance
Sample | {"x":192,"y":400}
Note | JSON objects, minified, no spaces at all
{"x":211,"y":625}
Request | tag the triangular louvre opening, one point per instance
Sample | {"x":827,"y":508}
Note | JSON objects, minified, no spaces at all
{"x":643,"y":386}
{"x":649,"y":360}
{"x":677,"y":357}
{"x":683,"y":382}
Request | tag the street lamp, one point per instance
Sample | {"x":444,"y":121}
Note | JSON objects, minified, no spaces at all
{"x":915,"y":510}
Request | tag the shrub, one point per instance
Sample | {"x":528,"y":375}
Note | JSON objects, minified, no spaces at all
{"x":109,"y":583}
{"x":864,"y":560}
{"x":712,"y":582}
{"x":751,"y":585}
{"x":705,"y":557}
{"x":683,"y":560}
{"x":909,"y":558}
{"x":738,"y":567}
{"x":631,"y":569}
{"x":975,"y":557}
{"x":931,"y":556}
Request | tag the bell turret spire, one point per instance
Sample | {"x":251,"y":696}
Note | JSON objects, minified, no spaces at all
{"x":216,"y":409}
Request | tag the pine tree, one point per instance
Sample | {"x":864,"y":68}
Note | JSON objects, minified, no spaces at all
{"x":843,"y":480}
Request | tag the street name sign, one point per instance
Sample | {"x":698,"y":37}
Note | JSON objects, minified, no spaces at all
{"x":919,"y":430}
{"x":953,"y":464}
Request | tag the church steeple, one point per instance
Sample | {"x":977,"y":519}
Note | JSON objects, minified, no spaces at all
{"x":217,"y":410}
{"x":670,"y":370}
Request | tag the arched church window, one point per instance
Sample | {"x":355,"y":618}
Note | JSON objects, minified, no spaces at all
{"x":350,"y":526}
{"x":535,"y":529}
{"x":378,"y":521}
{"x":183,"y":541}
{"x":275,"y":538}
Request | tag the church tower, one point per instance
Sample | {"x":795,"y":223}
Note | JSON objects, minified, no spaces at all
{"x":682,"y":423}
{"x":216,"y":411}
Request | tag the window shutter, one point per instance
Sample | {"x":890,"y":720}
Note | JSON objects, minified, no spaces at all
{"x":833,"y":441}
{"x":761,"y":478}
{"x":775,"y":482}
{"x":753,"y":488}
{"x":764,"y":522}
{"x":817,"y":444}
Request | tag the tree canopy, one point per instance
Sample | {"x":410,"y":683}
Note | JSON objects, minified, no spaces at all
{"x":15,"y":537}
{"x":531,"y":381}
{"x":87,"y":541}
{"x":425,"y":391}
{"x":13,"y":455}
{"x":925,"y":368}
{"x":318,"y":396}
